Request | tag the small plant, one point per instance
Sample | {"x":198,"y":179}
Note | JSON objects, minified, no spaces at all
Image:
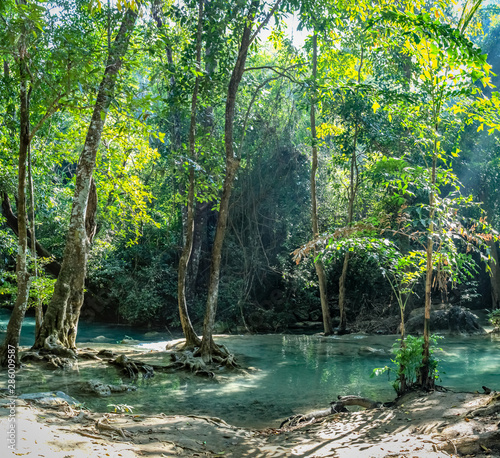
{"x":408,"y":361}
{"x":121,"y":408}
{"x":494,"y":318}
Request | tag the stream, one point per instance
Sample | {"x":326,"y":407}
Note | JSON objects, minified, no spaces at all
{"x":287,"y":374}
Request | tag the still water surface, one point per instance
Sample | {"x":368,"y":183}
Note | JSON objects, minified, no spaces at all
{"x":290,"y":374}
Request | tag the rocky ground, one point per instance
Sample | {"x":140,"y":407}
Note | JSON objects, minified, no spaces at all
{"x":438,"y":424}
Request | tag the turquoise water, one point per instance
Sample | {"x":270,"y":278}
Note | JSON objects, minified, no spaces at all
{"x":288,"y":374}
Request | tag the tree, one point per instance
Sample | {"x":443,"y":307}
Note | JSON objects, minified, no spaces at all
{"x":208,"y":348}
{"x":60,"y":324}
{"x":23,"y":276}
{"x":192,"y":339}
{"x":318,"y":264}
{"x":447,"y":61}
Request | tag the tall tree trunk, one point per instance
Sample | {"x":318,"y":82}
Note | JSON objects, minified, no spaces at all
{"x":38,"y":309}
{"x":23,"y":277}
{"x":495,"y":275}
{"x":351,"y":195}
{"x":493,"y":246}
{"x":426,"y":379}
{"x":318,"y":264}
{"x":200,"y":226}
{"x":192,"y":339}
{"x":63,"y":312}
{"x":350,"y":216}
{"x":208,"y":348}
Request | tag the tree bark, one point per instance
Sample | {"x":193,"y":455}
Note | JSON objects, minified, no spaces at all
{"x":63,"y":311}
{"x":351,"y":195}
{"x":23,"y":277}
{"x":495,"y":275}
{"x":208,"y":348}
{"x":318,"y":264}
{"x":192,"y":339}
{"x":38,"y":307}
{"x":426,"y":379}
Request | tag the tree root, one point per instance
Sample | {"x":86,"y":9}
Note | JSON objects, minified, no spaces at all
{"x":471,"y":445}
{"x":133,"y":368}
{"x":186,"y":361}
{"x":491,"y":408}
{"x":218,"y":354}
{"x":52,"y":361}
{"x":335,"y":407}
{"x":103,"y":424}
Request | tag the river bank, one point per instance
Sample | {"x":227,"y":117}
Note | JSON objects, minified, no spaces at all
{"x":438,"y":424}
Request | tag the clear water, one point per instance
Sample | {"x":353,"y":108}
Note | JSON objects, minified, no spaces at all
{"x":290,"y":374}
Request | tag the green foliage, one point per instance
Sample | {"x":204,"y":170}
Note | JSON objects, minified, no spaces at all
{"x":408,"y":361}
{"x":41,"y":289}
{"x":494,"y":318}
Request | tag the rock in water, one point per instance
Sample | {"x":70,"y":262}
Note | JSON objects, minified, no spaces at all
{"x":451,"y":319}
{"x":49,"y":398}
{"x":103,"y":389}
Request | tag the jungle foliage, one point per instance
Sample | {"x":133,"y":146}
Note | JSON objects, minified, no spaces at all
{"x":222,"y":132}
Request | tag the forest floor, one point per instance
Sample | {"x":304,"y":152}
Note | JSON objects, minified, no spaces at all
{"x":431,"y":425}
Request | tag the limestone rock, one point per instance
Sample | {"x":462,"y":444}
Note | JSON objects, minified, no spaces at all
{"x":103,"y":389}
{"x":451,"y":319}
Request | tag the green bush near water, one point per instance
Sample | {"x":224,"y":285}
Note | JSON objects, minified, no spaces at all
{"x":408,"y":361}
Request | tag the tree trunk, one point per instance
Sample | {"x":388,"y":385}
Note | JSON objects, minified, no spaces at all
{"x":351,"y":194}
{"x":23,"y":278}
{"x":208,"y":348}
{"x":350,"y":216}
{"x":495,"y":275}
{"x":38,"y":309}
{"x":342,"y":291}
{"x":200,"y":223}
{"x":426,"y":379}
{"x":318,"y":264}
{"x":63,"y":311}
{"x":192,"y":339}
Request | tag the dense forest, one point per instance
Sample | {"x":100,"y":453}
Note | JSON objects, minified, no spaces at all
{"x":247,"y":166}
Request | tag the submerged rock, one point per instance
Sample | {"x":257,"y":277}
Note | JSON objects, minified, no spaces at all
{"x":101,"y":339}
{"x":365,"y":351}
{"x":49,"y":398}
{"x":103,"y":389}
{"x":106,"y":354}
{"x":451,"y":319}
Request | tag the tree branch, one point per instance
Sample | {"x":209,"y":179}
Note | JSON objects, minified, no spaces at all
{"x":265,"y":21}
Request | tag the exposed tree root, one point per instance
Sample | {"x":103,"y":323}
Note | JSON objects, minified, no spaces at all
{"x":133,"y":368}
{"x":218,"y":354}
{"x":50,"y":360}
{"x":491,"y":408}
{"x":103,"y":424}
{"x":186,"y":361}
{"x":335,"y":407}
{"x":470,"y":445}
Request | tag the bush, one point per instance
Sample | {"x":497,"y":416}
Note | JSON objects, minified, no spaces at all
{"x":494,"y":318}
{"x":408,"y":361}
